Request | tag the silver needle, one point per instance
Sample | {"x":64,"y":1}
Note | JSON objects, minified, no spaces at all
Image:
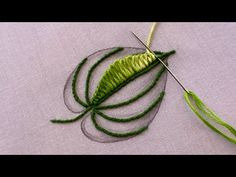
{"x":174,"y":76}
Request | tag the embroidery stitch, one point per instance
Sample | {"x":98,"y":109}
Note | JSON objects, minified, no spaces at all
{"x":121,"y":72}
{"x":95,"y":108}
{"x":197,"y":106}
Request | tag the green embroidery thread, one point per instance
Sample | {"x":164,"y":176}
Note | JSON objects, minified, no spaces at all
{"x":74,"y":92}
{"x":122,"y":72}
{"x":150,"y":36}
{"x":197,"y":106}
{"x":204,"y":113}
{"x":93,"y":68}
{"x":132,"y":118}
{"x":108,"y":132}
{"x":131,"y":100}
{"x":118,"y":68}
{"x":130,"y":75}
{"x":117,"y":76}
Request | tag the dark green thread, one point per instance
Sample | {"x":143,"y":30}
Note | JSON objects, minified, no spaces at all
{"x":74,"y":92}
{"x":114,"y":51}
{"x":132,"y":118}
{"x":74,"y":81}
{"x":119,"y":135}
{"x":63,"y":121}
{"x":135,"y":98}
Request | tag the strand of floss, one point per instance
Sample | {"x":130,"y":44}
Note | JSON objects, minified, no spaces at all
{"x":204,"y":113}
{"x":151,"y":34}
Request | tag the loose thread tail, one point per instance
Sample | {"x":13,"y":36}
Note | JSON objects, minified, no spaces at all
{"x":204,"y":113}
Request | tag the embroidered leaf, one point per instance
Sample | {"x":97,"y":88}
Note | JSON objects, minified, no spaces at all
{"x":134,"y":77}
{"x":120,"y":72}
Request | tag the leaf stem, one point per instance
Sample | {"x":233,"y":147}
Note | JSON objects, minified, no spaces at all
{"x":63,"y":121}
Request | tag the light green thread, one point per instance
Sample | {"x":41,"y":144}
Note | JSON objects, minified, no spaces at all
{"x":203,"y":112}
{"x":136,"y":97}
{"x":119,"y":72}
{"x":94,"y":67}
{"x":151,"y":34}
{"x":122,"y":72}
